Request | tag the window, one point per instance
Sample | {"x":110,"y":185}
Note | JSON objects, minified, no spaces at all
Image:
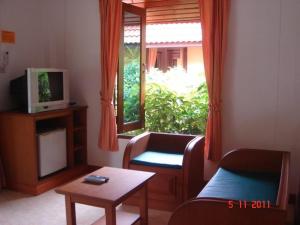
{"x":171,"y":57}
{"x":171,"y":96}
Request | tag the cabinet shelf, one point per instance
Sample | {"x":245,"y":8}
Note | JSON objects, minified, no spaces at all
{"x":79,"y":136}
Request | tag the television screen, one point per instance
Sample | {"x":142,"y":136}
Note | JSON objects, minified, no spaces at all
{"x":50,"y":86}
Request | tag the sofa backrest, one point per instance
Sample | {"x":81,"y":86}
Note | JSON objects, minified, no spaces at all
{"x":253,"y":160}
{"x":172,"y":143}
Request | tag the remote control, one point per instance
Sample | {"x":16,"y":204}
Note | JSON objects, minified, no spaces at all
{"x":94,"y":179}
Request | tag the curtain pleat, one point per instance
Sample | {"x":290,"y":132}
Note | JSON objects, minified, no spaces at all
{"x":214,"y":15}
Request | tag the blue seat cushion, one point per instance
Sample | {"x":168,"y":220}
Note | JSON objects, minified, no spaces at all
{"x":160,"y":159}
{"x":237,"y":185}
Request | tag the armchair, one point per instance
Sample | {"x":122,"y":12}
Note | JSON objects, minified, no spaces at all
{"x":177,"y":160}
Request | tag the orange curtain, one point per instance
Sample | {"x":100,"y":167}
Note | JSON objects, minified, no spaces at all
{"x":110,"y":22}
{"x":214,"y":15}
{"x":152,"y":53}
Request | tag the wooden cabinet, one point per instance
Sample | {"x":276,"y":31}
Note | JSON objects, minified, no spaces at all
{"x":79,"y":137}
{"x":19,"y":147}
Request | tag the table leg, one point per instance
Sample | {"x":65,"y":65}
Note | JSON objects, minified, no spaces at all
{"x":110,"y":214}
{"x":70,"y":211}
{"x":144,"y":205}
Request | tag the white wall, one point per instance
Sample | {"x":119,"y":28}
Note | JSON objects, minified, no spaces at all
{"x":261,"y":84}
{"x":39,"y":39}
{"x":53,"y":32}
{"x":28,"y":48}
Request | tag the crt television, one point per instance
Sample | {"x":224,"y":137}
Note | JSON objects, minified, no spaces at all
{"x":41,"y":89}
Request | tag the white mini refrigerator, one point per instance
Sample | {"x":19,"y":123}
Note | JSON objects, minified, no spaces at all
{"x":52,"y":151}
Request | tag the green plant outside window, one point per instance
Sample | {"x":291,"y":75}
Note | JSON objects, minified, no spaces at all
{"x":167,"y":109}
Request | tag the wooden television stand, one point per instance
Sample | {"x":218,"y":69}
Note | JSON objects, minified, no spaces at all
{"x":19,"y":147}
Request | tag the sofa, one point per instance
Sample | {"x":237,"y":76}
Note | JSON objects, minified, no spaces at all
{"x":249,"y":187}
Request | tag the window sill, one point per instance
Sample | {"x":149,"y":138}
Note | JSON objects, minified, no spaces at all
{"x":131,"y":135}
{"x":125,"y":136}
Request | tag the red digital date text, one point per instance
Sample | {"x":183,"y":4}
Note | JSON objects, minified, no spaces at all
{"x":249,"y":204}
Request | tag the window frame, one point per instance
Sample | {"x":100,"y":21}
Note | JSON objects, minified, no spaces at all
{"x":121,"y":125}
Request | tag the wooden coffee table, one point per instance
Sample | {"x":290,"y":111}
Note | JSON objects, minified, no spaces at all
{"x":122,"y":183}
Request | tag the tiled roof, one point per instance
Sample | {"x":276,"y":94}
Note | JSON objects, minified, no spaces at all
{"x":166,"y":33}
{"x":131,"y":34}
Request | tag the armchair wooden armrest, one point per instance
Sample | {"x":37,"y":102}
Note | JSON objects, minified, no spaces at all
{"x":135,"y":147}
{"x":193,"y":160}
